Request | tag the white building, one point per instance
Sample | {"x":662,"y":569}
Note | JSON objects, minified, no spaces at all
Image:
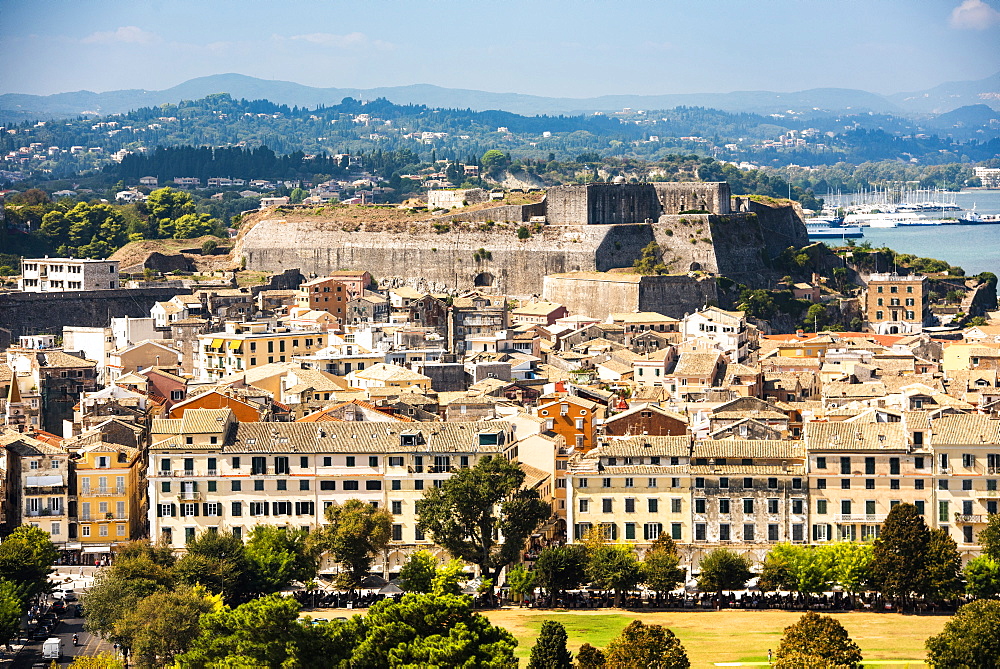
{"x":56,"y":275}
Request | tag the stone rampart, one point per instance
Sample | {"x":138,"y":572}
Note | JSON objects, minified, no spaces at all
{"x":33,"y":313}
{"x":597,"y":294}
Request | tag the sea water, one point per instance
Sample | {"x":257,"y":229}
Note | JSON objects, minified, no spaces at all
{"x":974,"y":248}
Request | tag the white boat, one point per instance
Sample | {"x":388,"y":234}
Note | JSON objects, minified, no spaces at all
{"x":822,"y":228}
{"x":890,"y":220}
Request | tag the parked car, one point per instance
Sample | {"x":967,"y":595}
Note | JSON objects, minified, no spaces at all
{"x":65,"y":594}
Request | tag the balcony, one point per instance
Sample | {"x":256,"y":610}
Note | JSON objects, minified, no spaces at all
{"x":969,"y":518}
{"x":37,"y":513}
{"x":189,"y":495}
{"x":103,"y":492}
{"x":860,"y":518}
{"x":212,"y":472}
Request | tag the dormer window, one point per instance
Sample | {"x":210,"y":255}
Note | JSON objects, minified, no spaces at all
{"x":491,"y":438}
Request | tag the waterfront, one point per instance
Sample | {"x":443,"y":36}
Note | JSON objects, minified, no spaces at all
{"x":975,"y":248}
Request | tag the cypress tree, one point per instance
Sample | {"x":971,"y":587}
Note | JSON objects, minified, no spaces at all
{"x":550,"y":652}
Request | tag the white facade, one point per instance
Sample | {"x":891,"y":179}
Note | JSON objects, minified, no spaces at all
{"x":57,"y":275}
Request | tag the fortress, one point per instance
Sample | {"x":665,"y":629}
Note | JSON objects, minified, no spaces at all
{"x":587,"y":228}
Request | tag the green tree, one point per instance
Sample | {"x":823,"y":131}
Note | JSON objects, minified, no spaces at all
{"x":899,"y":556}
{"x":651,"y":260}
{"x":11,"y":610}
{"x":589,"y":657}
{"x":431,"y":630}
{"x":278,"y":556}
{"x":613,"y":567}
{"x":521,"y":582}
{"x":164,"y":625}
{"x":483,"y":515}
{"x":969,"y":640}
{"x":982,"y":577}
{"x":264,"y":632}
{"x":356,"y":533}
{"x":560,"y":568}
{"x":723,"y":569}
{"x":26,"y":558}
{"x":417,"y":574}
{"x":989,"y":537}
{"x":494,"y":161}
{"x":208,"y":247}
{"x":448,"y":578}
{"x":218,"y":561}
{"x":549,"y":651}
{"x":167,"y":204}
{"x":852,"y":565}
{"x":297,"y":195}
{"x":189,"y":226}
{"x":105,"y":660}
{"x":942,"y":569}
{"x":816,"y":637}
{"x":118,"y":589}
{"x":641,"y":646}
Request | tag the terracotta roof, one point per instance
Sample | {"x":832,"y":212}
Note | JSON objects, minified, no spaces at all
{"x":645,"y":445}
{"x":966,"y":429}
{"x":855,"y":437}
{"x":194,"y":421}
{"x":768,"y":449}
{"x":748,"y":470}
{"x":696,"y":364}
{"x":841,"y":389}
{"x":388,"y":372}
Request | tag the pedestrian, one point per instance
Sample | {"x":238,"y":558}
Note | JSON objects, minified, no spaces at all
{"x":769,"y":656}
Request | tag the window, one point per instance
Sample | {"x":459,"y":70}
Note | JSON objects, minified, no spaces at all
{"x":943,"y":511}
{"x":869,"y":466}
{"x":651,"y":531}
{"x":373,"y":485}
{"x":845,"y":507}
{"x":675,"y":505}
{"x":258,"y":486}
{"x":629,"y":530}
{"x":606,"y":505}
{"x":584,"y":506}
{"x":651,"y":483}
{"x":164,"y":487}
{"x":351,"y":485}
{"x":845,"y":484}
{"x":373,"y":461}
{"x":942,"y":484}
{"x":581,"y":483}
{"x":699,"y":482}
{"x":797,"y":506}
{"x":748,"y":532}
{"x":748,"y":483}
{"x":772,"y":532}
{"x":237,"y":509}
{"x":395,"y":461}
{"x":845,"y":465}
{"x":304,"y":484}
{"x":258,"y":465}
{"x":724,"y":482}
{"x":724,"y":506}
{"x":396,"y":507}
{"x":894,"y":484}
{"x":772,"y":483}
{"x":629,"y":505}
{"x":349,"y":461}
{"x":653,"y":505}
{"x":796,"y":484}
{"x":918,"y":484}
{"x":213,"y":509}
{"x":282,"y":484}
{"x":968,"y":460}
{"x":699,"y":505}
{"x":820,"y":463}
{"x":675,"y":531}
{"x":894,"y":466}
{"x":869,"y":484}
{"x":772,"y":506}
{"x":724,"y":532}
{"x":699,"y":531}
{"x":748,"y":505}
{"x":821,"y":506}
{"x":327,"y":461}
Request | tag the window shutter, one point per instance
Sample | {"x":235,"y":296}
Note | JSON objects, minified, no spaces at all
{"x":173,"y":509}
{"x":237,"y":509}
{"x":298,"y":508}
{"x":645,"y":532}
{"x":159,"y":511}
{"x":265,"y":505}
{"x":195,"y":509}
{"x":204,"y":509}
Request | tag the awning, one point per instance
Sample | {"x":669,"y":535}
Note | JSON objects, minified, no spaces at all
{"x":48,"y":480}
{"x":97,"y":549}
{"x":216,"y":343}
{"x":235,"y":344}
{"x":73,"y":545}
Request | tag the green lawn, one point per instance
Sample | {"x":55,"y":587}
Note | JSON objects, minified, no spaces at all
{"x":731,"y":636}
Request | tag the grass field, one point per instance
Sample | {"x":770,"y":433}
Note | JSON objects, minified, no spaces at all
{"x":731,"y":636}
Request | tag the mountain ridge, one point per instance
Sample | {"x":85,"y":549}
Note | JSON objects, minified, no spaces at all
{"x":945,"y":97}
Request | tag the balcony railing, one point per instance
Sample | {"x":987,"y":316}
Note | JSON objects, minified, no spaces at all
{"x":860,"y":518}
{"x":44,"y":512}
{"x":103,"y":492}
{"x":969,"y":518}
{"x":189,"y":495}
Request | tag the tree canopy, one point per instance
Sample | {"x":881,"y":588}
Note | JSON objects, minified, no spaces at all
{"x":816,"y":637}
{"x":355,"y":534}
{"x":723,"y":569}
{"x":642,"y":646}
{"x":969,"y":639}
{"x":483,"y":515}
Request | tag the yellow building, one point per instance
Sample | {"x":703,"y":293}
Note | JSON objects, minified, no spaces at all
{"x":894,"y":304}
{"x":110,"y":494}
{"x":243,"y":346}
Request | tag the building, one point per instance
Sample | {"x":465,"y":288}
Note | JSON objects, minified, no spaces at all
{"x":38,"y":486}
{"x":109,"y":496}
{"x":538,"y":313}
{"x":727,"y":330}
{"x":894,"y":303}
{"x":50,"y":380}
{"x":475,"y":314}
{"x":243,"y":346}
{"x":57,"y":275}
{"x":572,"y":418}
{"x":325,"y":294}
{"x":989,"y":177}
{"x":206,"y":471}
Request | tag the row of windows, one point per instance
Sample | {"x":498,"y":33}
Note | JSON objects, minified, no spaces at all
{"x":845,"y":463}
{"x":918,"y":484}
{"x":894,"y":289}
{"x":880,"y":315}
{"x":282,"y":464}
{"x":700,"y":482}
{"x":894,"y":302}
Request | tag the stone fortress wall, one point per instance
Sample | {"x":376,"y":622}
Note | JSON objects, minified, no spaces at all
{"x":588,"y":228}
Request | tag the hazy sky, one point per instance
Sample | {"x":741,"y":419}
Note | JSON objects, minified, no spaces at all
{"x":571,"y":48}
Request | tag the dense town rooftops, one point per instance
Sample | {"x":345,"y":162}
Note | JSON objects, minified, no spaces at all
{"x":856,"y":437}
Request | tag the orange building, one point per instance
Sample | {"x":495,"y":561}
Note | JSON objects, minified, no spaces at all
{"x":245,"y":410}
{"x":572,"y":418}
{"x":325,"y":294}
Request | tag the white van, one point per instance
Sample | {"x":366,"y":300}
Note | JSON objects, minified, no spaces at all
{"x":52,"y":648}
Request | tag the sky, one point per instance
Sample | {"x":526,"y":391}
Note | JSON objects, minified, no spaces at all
{"x":575,"y":48}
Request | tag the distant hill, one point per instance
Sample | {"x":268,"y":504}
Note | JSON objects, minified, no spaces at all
{"x":970,"y":116}
{"x":952,"y":95}
{"x":937,"y":100}
{"x":15,"y":106}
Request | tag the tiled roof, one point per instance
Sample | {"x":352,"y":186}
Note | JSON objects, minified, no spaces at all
{"x":61,"y":359}
{"x":966,"y":429}
{"x":645,"y":445}
{"x":663,"y":412}
{"x":759,"y":415}
{"x":841,"y":389}
{"x":768,"y":449}
{"x":855,"y":437}
{"x":194,"y":421}
{"x":696,"y":364}
{"x":388,"y":372}
{"x":747,"y":470}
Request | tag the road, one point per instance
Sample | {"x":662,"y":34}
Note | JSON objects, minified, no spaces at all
{"x":90,"y":645}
